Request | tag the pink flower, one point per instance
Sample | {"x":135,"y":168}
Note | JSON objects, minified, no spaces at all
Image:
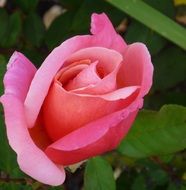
{"x":80,"y":103}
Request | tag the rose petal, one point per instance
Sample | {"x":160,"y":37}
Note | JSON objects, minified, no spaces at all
{"x":108,"y":59}
{"x":39,"y":135}
{"x":106,"y":85}
{"x":44,"y":76}
{"x":31,"y":159}
{"x":105,"y":32}
{"x":19,"y":75}
{"x":87,"y":76}
{"x":63,"y":77}
{"x":108,"y":62}
{"x":64,"y":112}
{"x":122,"y":93}
{"x":137,"y":68}
{"x":98,"y":137}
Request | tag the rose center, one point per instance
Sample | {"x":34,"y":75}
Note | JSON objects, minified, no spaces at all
{"x":80,"y":75}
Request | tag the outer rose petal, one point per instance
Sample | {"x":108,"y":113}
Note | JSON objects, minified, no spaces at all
{"x":31,"y":159}
{"x":103,"y":28}
{"x":44,"y":76}
{"x":64,"y":112}
{"x":20,"y":73}
{"x":98,"y":137}
{"x":137,"y":68}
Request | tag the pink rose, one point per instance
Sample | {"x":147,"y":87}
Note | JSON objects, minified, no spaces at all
{"x":80,"y":103}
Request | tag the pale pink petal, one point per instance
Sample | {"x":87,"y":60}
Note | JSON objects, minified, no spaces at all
{"x":109,"y":62}
{"x":98,"y":137}
{"x":106,"y":85}
{"x":64,"y":112}
{"x":44,"y":76}
{"x":108,"y":59}
{"x":87,"y":76}
{"x":31,"y":159}
{"x":69,"y":72}
{"x":121,"y":93}
{"x":19,"y":75}
{"x":137,"y":68}
{"x":68,"y":75}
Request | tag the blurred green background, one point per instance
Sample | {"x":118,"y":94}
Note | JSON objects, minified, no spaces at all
{"x":35,"y":27}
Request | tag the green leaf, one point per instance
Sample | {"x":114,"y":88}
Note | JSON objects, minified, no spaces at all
{"x":81,"y":22}
{"x":139,"y":183}
{"x":124,"y":181}
{"x":71,"y":4}
{"x":158,"y":176}
{"x":27,"y":5}
{"x":3,"y":23}
{"x":56,"y":188}
{"x":75,"y":22}
{"x":183,"y":187}
{"x":172,"y":186}
{"x":167,"y":6}
{"x":137,"y":32}
{"x":2,"y":71}
{"x":12,"y":32}
{"x":170,"y":68}
{"x":166,"y":158}
{"x":156,"y":133}
{"x":34,"y":55}
{"x":157,"y":100}
{"x":153,"y":19}
{"x":98,"y":175}
{"x":59,"y":30}
{"x":14,"y":186}
{"x":34,"y":29}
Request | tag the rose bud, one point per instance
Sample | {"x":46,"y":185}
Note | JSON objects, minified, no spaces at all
{"x":80,"y":103}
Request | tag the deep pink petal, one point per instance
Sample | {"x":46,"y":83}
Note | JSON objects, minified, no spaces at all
{"x":98,"y":137}
{"x":64,"y":112}
{"x":137,"y":68}
{"x":44,"y":76}
{"x":103,"y":29}
{"x":19,"y":75}
{"x":31,"y":159}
